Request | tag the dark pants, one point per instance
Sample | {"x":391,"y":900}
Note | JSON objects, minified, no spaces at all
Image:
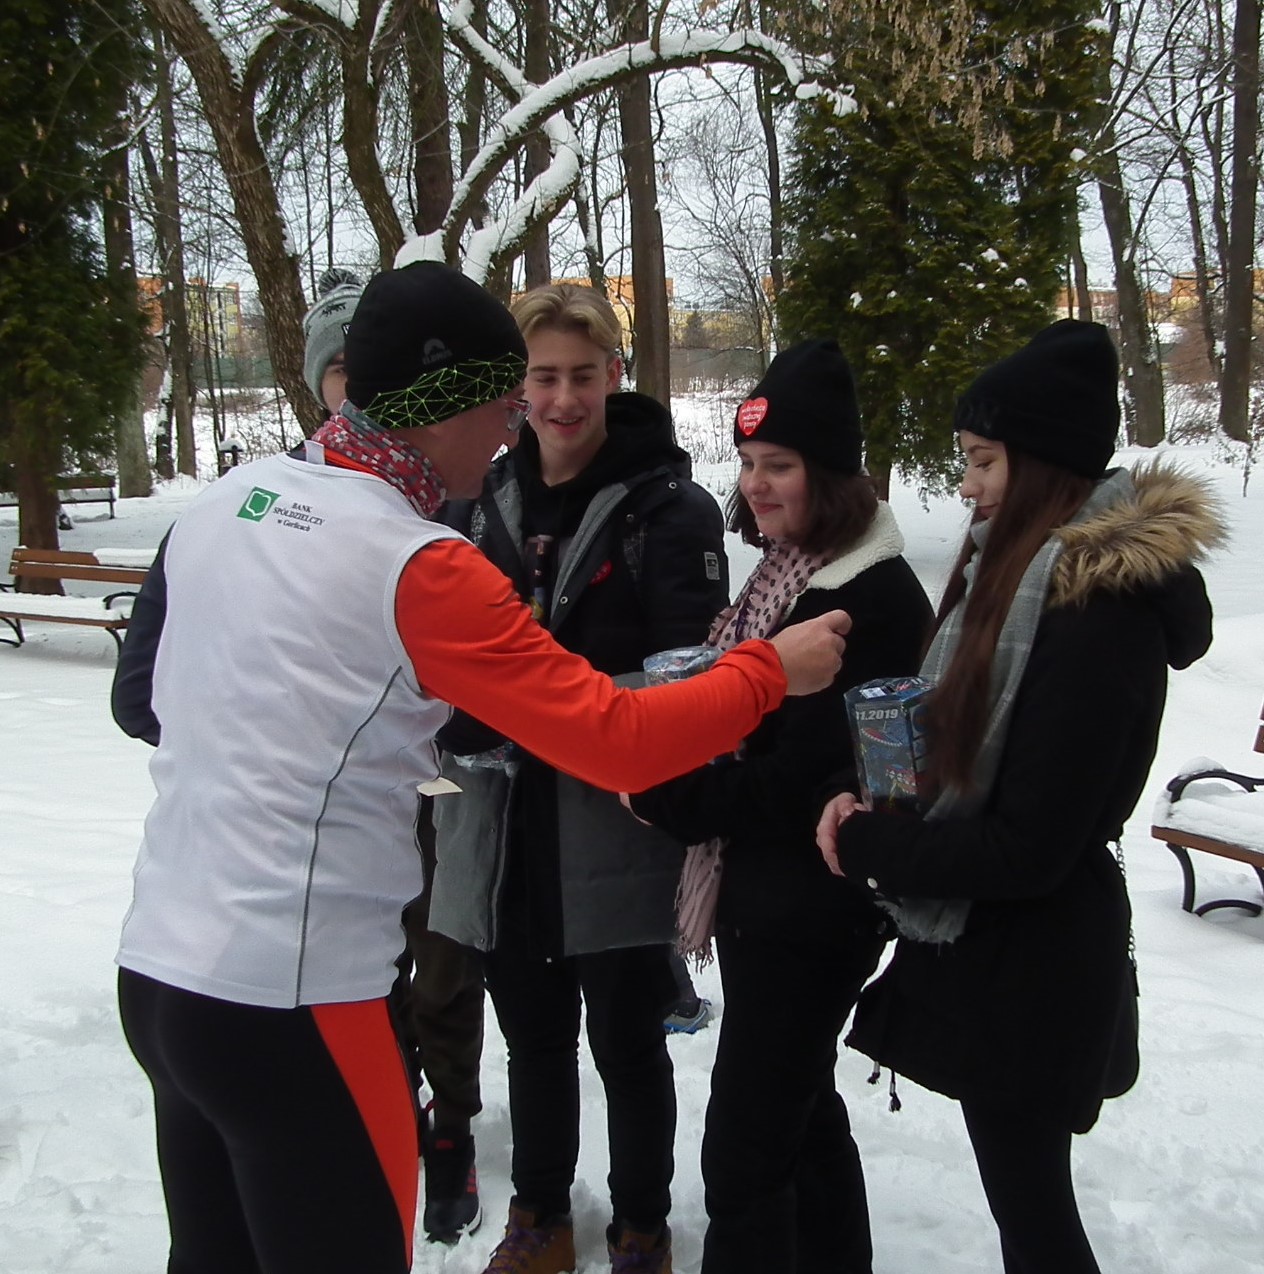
{"x":1025,"y":1165}
{"x":785,"y":1192}
{"x":285,"y":1136}
{"x":438,"y":1003}
{"x":624,"y":994}
{"x":443,"y":1020}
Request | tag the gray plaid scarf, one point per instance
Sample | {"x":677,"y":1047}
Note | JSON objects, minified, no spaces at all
{"x":943,"y":920}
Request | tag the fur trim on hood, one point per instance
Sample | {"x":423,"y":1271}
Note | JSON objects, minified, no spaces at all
{"x":1174,"y":520}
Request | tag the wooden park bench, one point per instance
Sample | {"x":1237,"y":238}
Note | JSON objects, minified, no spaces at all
{"x":1227,"y":820}
{"x":76,"y":488}
{"x":106,"y":566}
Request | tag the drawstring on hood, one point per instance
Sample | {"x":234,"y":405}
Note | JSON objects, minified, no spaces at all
{"x":895,"y":1105}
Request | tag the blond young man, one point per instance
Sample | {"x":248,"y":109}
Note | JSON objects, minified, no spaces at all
{"x":595,"y":520}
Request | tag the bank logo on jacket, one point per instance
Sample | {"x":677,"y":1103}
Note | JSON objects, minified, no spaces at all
{"x":256,"y":505}
{"x":293,"y":515}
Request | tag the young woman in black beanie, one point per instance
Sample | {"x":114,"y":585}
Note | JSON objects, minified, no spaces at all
{"x":784,"y":1188}
{"x":1011,"y":987}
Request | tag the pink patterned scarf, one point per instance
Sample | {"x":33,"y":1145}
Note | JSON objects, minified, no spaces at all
{"x":774,"y":585}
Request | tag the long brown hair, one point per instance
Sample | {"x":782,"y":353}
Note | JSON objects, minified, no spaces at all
{"x":1038,"y":497}
{"x":841,"y":508}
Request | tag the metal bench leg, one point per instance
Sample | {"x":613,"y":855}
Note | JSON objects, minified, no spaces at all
{"x":1187,"y":901}
{"x":16,"y":625}
{"x":1187,"y":872}
{"x":1253,"y":907}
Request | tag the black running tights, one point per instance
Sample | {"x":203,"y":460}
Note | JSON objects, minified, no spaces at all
{"x":286,"y":1137}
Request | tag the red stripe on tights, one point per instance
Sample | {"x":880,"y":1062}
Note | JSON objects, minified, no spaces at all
{"x":364,"y":1048}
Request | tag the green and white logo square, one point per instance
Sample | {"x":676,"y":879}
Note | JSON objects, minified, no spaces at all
{"x":257,"y":503}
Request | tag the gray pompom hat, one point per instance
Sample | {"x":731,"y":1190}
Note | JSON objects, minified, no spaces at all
{"x":325,"y":324}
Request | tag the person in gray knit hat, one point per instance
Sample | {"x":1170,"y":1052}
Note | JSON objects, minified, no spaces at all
{"x":325,"y":334}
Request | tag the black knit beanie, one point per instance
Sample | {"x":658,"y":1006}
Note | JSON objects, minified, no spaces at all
{"x":806,"y":401}
{"x":426,"y":343}
{"x":1057,"y":398}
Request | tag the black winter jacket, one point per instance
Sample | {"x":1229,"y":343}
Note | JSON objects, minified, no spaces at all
{"x":1035,"y":1002}
{"x":766,"y":804}
{"x":541,"y":862}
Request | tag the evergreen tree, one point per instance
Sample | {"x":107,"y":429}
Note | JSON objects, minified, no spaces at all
{"x":69,"y":332}
{"x":929,"y":226}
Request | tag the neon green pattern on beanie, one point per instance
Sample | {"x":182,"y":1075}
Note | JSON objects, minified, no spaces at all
{"x":437,"y":395}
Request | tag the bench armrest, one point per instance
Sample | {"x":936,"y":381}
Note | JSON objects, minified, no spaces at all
{"x":1178,"y":785}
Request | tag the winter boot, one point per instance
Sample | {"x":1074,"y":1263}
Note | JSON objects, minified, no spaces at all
{"x":534,"y":1244}
{"x":632,"y":1252}
{"x":451,"y":1186}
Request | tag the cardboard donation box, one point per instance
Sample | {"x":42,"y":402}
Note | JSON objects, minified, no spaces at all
{"x":887,"y":720}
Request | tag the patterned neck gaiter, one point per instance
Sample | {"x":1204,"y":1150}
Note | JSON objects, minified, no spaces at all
{"x":350,"y":433}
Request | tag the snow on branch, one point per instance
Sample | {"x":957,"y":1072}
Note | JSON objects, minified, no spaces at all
{"x":540,"y":106}
{"x":338,"y":13}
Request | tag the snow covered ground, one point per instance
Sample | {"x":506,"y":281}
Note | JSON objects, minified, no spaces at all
{"x":1172,"y":1179}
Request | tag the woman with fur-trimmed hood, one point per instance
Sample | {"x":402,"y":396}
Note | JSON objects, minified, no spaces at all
{"x":1011,"y":987}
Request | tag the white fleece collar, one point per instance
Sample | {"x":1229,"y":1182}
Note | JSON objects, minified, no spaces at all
{"x":882,"y":541}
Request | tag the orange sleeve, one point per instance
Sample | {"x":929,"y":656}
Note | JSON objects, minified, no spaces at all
{"x":475,"y":645}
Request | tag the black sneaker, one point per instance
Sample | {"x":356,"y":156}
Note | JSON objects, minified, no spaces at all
{"x":451,"y":1187}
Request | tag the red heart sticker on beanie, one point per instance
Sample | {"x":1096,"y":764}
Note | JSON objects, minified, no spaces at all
{"x":750,"y":414}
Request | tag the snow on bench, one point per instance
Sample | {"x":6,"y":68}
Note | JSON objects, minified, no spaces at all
{"x":132,"y":558}
{"x":1215,"y":811}
{"x":111,"y":613}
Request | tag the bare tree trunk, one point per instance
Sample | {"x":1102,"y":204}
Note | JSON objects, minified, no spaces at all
{"x":131,"y":451}
{"x":1235,"y":381}
{"x":1213,"y":126}
{"x":1079,"y":268}
{"x":470,"y":128}
{"x":428,"y":102}
{"x":776,"y":217}
{"x":587,"y":209}
{"x":537,"y":262}
{"x":1197,"y":232}
{"x":359,"y":140}
{"x":36,"y":458}
{"x":1202,"y":275}
{"x":230,"y":112}
{"x":651,"y":332}
{"x":592,"y":258}
{"x":1143,"y":377}
{"x":164,"y":181}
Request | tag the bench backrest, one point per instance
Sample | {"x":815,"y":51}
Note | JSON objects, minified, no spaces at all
{"x":61,"y":564}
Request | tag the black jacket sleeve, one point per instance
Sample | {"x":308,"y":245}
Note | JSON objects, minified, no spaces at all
{"x":131,"y":697}
{"x":683,"y":575}
{"x":773,"y":793}
{"x":1079,"y":748}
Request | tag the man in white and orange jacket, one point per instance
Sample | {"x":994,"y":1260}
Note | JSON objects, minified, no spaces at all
{"x":295,"y":649}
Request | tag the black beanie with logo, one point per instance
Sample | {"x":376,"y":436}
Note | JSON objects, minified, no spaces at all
{"x":426,"y":343}
{"x":806,"y":401}
{"x":1057,"y":398}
